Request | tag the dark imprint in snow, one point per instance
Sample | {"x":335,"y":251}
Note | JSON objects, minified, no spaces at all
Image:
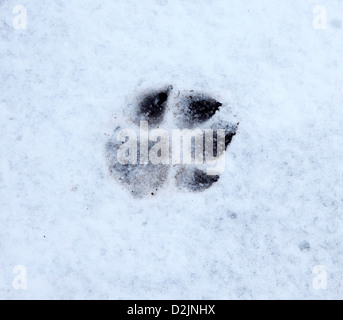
{"x":193,"y":109}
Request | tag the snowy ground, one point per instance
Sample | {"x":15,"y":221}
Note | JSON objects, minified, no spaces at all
{"x":276,"y":211}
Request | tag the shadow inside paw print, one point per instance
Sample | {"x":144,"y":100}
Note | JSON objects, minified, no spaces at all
{"x":198,"y":109}
{"x":194,"y":179}
{"x":152,"y":107}
{"x":143,"y":177}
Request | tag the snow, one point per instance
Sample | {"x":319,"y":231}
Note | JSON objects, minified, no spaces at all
{"x":275,"y":213}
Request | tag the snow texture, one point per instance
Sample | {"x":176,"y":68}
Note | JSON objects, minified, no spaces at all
{"x":257,"y":233}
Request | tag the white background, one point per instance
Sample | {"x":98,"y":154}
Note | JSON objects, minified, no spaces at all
{"x":275,"y":213}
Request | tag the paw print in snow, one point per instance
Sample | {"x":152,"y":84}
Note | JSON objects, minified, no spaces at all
{"x":139,"y":153}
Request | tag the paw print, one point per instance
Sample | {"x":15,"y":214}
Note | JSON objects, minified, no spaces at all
{"x":138,"y":152}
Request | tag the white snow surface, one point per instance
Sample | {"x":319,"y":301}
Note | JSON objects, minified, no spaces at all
{"x":276,"y":211}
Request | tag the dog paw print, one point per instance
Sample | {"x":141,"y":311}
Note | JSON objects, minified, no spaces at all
{"x":175,"y":139}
